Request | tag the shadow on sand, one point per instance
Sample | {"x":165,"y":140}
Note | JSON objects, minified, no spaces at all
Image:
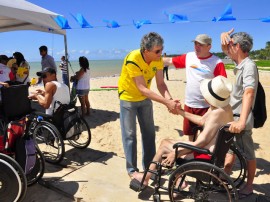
{"x":99,"y":117}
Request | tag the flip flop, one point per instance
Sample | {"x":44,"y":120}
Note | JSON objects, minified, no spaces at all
{"x":242,"y":195}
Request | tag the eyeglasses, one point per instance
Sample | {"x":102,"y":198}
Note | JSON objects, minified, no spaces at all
{"x":232,"y":44}
{"x":44,"y":76}
{"x":158,"y":51}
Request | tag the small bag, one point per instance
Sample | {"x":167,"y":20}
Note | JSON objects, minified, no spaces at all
{"x":67,"y":118}
{"x":73,"y":94}
{"x":71,"y":124}
{"x":25,"y":153}
{"x":259,"y":109}
{"x":15,"y":130}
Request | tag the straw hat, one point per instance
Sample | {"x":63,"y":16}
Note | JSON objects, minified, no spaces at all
{"x":216,"y":91}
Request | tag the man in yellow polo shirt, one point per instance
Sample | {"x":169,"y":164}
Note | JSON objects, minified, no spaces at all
{"x":139,"y":68}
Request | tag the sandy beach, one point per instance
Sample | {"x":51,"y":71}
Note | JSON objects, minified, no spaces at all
{"x":106,"y":134}
{"x":105,"y":125}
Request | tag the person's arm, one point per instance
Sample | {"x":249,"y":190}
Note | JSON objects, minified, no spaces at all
{"x":248,"y":97}
{"x":202,"y":141}
{"x":167,"y":61}
{"x":61,"y":65}
{"x":141,"y":85}
{"x":177,"y":62}
{"x":225,"y":40}
{"x":4,"y":84}
{"x":199,"y":120}
{"x":46,"y":100}
{"x":208,"y":133}
{"x":52,"y":63}
{"x":78,"y":74}
{"x":161,"y":85}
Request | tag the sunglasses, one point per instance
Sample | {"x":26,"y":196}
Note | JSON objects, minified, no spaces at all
{"x":158,"y":51}
{"x":44,"y":76}
{"x":232,"y":44}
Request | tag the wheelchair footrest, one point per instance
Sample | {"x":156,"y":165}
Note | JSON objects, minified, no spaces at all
{"x":136,"y":185}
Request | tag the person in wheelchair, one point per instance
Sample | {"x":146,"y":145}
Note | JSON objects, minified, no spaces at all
{"x":216,"y":92}
{"x":53,"y":91}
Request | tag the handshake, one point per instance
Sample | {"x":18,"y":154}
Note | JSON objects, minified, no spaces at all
{"x":174,"y":107}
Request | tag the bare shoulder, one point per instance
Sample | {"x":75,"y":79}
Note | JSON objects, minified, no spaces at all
{"x":50,"y":87}
{"x":221,"y":115}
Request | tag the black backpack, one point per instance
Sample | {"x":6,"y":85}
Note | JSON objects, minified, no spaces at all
{"x":259,"y":109}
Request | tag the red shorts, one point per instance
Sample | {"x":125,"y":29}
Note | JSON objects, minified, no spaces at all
{"x":188,"y":125}
{"x":201,"y":156}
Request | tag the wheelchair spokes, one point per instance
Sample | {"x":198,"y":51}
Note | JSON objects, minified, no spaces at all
{"x":191,"y":182}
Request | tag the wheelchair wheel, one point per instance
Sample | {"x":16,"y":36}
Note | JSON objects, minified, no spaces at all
{"x":83,"y":139}
{"x":239,"y":170}
{"x":13,"y":184}
{"x":38,"y":170}
{"x":49,"y":141}
{"x":201,"y":181}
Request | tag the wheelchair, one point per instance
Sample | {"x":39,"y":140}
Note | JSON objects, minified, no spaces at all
{"x":13,"y":114}
{"x":51,"y":132}
{"x":13,"y":183}
{"x":197,"y":179}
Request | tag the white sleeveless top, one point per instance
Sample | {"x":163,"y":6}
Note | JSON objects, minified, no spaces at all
{"x":61,"y":94}
{"x":84,"y":81}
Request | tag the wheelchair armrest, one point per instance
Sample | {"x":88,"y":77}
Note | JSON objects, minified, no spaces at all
{"x":191,"y":147}
{"x":38,"y":113}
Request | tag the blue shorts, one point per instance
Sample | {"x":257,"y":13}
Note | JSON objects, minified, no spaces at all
{"x":82,"y":92}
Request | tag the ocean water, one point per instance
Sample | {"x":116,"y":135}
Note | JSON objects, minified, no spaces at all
{"x":98,"y":68}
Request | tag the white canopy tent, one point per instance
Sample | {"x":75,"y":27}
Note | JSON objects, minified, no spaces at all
{"x":23,"y":15}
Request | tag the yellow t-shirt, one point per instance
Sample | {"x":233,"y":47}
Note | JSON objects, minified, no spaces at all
{"x":133,"y":66}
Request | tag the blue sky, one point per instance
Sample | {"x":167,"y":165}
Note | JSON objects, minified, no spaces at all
{"x":101,"y":42}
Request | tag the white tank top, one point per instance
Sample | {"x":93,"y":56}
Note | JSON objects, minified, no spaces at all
{"x":84,"y":81}
{"x":61,"y":94}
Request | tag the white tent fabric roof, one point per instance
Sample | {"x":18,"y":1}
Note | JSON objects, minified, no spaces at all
{"x":23,"y":15}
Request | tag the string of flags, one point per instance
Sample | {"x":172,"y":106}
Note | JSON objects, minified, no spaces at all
{"x":172,"y":18}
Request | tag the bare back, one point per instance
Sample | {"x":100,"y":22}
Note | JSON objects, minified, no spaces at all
{"x":216,"y":118}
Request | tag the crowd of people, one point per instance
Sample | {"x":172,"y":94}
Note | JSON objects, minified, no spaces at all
{"x":210,"y":99}
{"x":15,"y":70}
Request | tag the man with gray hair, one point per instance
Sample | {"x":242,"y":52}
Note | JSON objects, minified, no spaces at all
{"x":200,"y":64}
{"x":237,"y":46}
{"x":139,"y":68}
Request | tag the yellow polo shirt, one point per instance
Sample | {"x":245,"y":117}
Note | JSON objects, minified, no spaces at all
{"x":133,"y":66}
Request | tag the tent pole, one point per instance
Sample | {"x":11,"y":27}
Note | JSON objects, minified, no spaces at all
{"x":67,"y":61}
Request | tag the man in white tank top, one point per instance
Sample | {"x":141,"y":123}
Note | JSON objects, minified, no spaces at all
{"x":53,"y":91}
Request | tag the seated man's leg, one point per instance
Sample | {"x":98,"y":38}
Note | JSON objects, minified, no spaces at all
{"x":166,"y":146}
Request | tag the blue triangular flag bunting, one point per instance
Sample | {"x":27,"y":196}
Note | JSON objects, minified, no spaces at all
{"x":62,"y":22}
{"x":176,"y":18}
{"x":139,"y":23}
{"x":111,"y":23}
{"x":265,"y":19}
{"x":82,"y":21}
{"x":226,"y":15}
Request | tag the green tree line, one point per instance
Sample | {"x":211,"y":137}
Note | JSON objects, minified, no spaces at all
{"x":262,"y":54}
